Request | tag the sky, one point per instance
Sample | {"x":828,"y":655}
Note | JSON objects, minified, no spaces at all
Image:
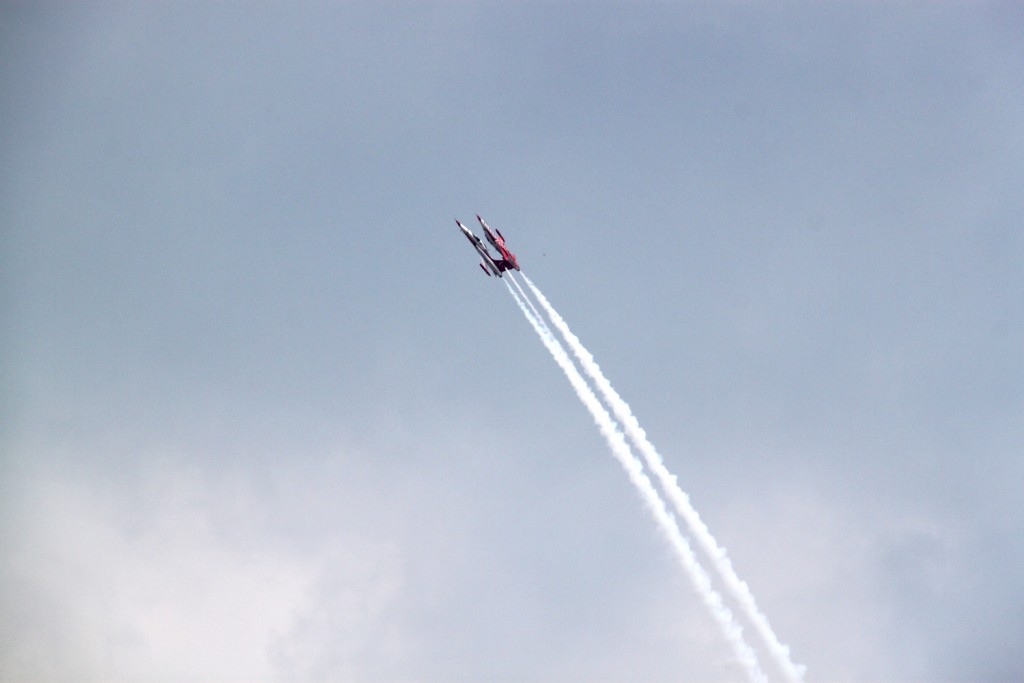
{"x":264,"y":419}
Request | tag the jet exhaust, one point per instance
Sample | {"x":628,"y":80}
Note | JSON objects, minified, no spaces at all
{"x":736,"y":587}
{"x":730,"y":629}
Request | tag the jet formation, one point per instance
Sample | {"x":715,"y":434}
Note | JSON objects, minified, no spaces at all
{"x":489,"y":264}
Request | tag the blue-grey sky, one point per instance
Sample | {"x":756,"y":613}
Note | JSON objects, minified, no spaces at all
{"x":264,"y":419}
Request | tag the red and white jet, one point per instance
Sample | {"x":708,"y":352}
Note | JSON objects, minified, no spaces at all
{"x":489,"y":264}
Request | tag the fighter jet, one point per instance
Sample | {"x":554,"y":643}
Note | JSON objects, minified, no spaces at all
{"x":498,"y":242}
{"x":489,"y":264}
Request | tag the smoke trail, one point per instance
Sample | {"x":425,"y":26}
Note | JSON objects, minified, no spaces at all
{"x":736,"y":587}
{"x":620,"y":449}
{"x":536,"y":314}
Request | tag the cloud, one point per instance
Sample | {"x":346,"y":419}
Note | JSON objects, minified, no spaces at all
{"x":181,"y":571}
{"x":264,"y":416}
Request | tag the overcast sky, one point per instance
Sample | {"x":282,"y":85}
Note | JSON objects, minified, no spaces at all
{"x":264,"y":419}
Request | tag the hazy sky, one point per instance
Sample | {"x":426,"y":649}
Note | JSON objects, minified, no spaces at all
{"x":264,"y":419}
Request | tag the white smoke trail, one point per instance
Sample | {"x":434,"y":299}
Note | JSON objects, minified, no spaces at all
{"x":634,"y":468}
{"x":536,"y":314}
{"x":736,"y":587}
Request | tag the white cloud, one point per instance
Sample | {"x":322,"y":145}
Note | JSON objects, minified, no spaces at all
{"x":179,"y":575}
